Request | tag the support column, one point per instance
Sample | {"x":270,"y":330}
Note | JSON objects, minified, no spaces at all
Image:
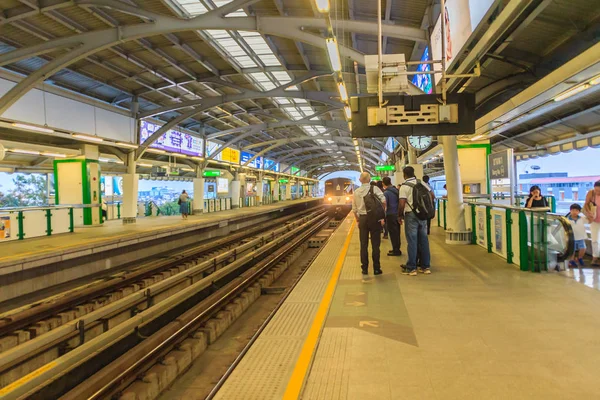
{"x":198,"y":202}
{"x":455,"y":219}
{"x":130,"y":191}
{"x":235,"y":191}
{"x":412,"y":156}
{"x":288,"y":191}
{"x":260,"y":189}
{"x":276,"y":189}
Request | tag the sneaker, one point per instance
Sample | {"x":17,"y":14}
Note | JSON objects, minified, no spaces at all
{"x":392,"y":253}
{"x":405,"y":271}
{"x":427,"y":271}
{"x":581,"y":262}
{"x":413,"y":273}
{"x":572,"y":264}
{"x":421,"y":270}
{"x":378,"y":272}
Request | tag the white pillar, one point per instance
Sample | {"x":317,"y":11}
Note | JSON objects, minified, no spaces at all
{"x":276,"y":189}
{"x":235,"y":192}
{"x":130,"y":191}
{"x":260,"y":187}
{"x":198,"y":202}
{"x":412,"y":156}
{"x":455,"y":219}
{"x":288,"y":191}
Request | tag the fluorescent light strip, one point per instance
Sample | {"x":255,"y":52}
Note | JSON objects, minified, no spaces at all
{"x":156,"y":151}
{"x":90,"y":138}
{"x":21,"y":151}
{"x":334,"y":54}
{"x":33,"y":128}
{"x":129,"y":145}
{"x":343,"y":91}
{"x":57,"y":155}
{"x":571,"y":92}
{"x":348,"y":113}
{"x":144,"y":165}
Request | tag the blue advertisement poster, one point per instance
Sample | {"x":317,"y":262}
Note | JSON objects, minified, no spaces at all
{"x":256,"y":163}
{"x":423,"y":81}
{"x":271,"y":165}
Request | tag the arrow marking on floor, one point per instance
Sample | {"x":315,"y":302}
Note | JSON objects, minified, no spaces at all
{"x":370,"y":324}
{"x":356,"y":304}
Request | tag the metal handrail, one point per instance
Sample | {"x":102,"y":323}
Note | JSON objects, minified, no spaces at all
{"x":43,"y":208}
{"x":505,"y":207}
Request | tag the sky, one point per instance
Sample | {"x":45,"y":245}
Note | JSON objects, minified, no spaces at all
{"x":576,"y":163}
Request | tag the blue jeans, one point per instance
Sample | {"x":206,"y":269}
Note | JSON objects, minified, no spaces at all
{"x":416,"y":241}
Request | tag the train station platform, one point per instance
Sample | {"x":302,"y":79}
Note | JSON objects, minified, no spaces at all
{"x":23,"y":260}
{"x":476,"y":328}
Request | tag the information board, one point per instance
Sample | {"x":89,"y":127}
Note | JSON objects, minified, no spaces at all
{"x":256,"y":163}
{"x":230,"y":155}
{"x":222,"y":185}
{"x":271,"y":165}
{"x":172,"y":140}
{"x":499,"y":165}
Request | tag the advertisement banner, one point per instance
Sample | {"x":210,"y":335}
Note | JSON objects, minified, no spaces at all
{"x":424,"y":81}
{"x":230,"y":155}
{"x":271,"y":165}
{"x":256,"y":163}
{"x":172,"y":140}
{"x":4,"y":228}
{"x":222,"y":185}
{"x":498,"y":232}
{"x":481,"y":227}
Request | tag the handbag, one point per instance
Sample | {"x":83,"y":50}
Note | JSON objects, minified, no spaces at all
{"x":592,"y":206}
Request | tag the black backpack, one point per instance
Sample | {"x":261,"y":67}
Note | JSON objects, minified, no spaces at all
{"x":375,"y":211}
{"x":422,"y":206}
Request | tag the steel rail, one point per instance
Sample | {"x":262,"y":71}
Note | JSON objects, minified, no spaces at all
{"x":119,"y":374}
{"x":48,"y":374}
{"x":12,"y":323}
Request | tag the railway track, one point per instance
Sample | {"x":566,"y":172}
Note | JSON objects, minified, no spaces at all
{"x":191,"y":296}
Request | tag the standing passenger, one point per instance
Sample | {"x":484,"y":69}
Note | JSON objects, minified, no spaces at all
{"x":535,"y":199}
{"x":426,"y":180}
{"x":592,"y":210}
{"x":183,"y":204}
{"x":368,"y":226}
{"x":391,"y":216}
{"x":415,"y":229}
{"x":385,"y":227}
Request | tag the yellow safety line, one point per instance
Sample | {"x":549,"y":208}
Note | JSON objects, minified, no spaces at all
{"x":296,"y":381}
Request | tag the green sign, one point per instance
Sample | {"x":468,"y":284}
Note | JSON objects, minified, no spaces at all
{"x":375,"y":178}
{"x":211,"y":173}
{"x":283,"y":181}
{"x":385,"y":168}
{"x":294,"y":170}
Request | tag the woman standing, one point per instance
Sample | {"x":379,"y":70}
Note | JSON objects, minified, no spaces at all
{"x":592,"y":211}
{"x":536,"y":200}
{"x":183,"y":204}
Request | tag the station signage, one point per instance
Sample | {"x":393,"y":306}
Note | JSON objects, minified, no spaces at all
{"x":256,"y":163}
{"x":293,"y":170}
{"x":271,"y":165}
{"x":211,"y":173}
{"x":172,"y":140}
{"x":283,"y":181}
{"x":230,"y":155}
{"x":375,"y":178}
{"x":499,"y":165}
{"x":385,"y":168}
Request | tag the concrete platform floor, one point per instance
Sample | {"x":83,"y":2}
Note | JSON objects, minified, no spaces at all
{"x":477,"y":328}
{"x":38,"y":247}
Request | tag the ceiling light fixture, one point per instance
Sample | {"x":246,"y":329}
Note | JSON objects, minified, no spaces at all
{"x":322,"y":5}
{"x":57,"y":155}
{"x":348,"y":112}
{"x":129,"y":145}
{"x":157,"y":151}
{"x":343,"y":91}
{"x":571,"y":92}
{"x":21,"y":151}
{"x":334,"y":54}
{"x":90,"y":138}
{"x":145,"y":165}
{"x":33,"y":128}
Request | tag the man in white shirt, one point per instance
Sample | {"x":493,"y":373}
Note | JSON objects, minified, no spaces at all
{"x":414,"y":228}
{"x":366,"y":226}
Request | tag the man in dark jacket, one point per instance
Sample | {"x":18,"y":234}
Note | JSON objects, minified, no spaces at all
{"x":391,"y":217}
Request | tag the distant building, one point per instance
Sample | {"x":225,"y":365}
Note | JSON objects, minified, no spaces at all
{"x":562,"y":187}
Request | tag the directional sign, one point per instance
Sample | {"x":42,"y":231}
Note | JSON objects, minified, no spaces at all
{"x":385,"y":168}
{"x":368,"y":324}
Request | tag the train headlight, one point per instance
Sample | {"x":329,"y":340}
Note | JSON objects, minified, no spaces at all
{"x":347,"y":198}
{"x":330,"y":199}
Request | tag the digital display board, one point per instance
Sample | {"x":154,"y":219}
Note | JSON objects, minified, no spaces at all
{"x":271,"y":165}
{"x":172,"y":140}
{"x":423,"y":81}
{"x":256,"y":163}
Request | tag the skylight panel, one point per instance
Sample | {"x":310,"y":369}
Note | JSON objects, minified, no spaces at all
{"x":245,"y":62}
{"x":320,"y":141}
{"x":282,"y":100}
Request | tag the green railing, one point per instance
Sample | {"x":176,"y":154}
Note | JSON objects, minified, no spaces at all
{"x":29,"y":222}
{"x":536,"y":240}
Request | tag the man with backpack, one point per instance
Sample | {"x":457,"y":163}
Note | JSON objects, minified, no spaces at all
{"x":391,"y":216}
{"x":368,"y":206}
{"x":414,"y":209}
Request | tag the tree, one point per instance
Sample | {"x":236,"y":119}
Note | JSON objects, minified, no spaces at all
{"x":28,"y":190}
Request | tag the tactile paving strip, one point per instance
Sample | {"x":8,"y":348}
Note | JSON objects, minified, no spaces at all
{"x":265,"y":370}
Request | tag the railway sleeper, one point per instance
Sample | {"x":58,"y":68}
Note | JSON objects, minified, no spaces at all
{"x":162,"y":375}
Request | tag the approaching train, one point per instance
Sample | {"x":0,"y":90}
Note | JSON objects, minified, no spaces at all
{"x":338,"y":195}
